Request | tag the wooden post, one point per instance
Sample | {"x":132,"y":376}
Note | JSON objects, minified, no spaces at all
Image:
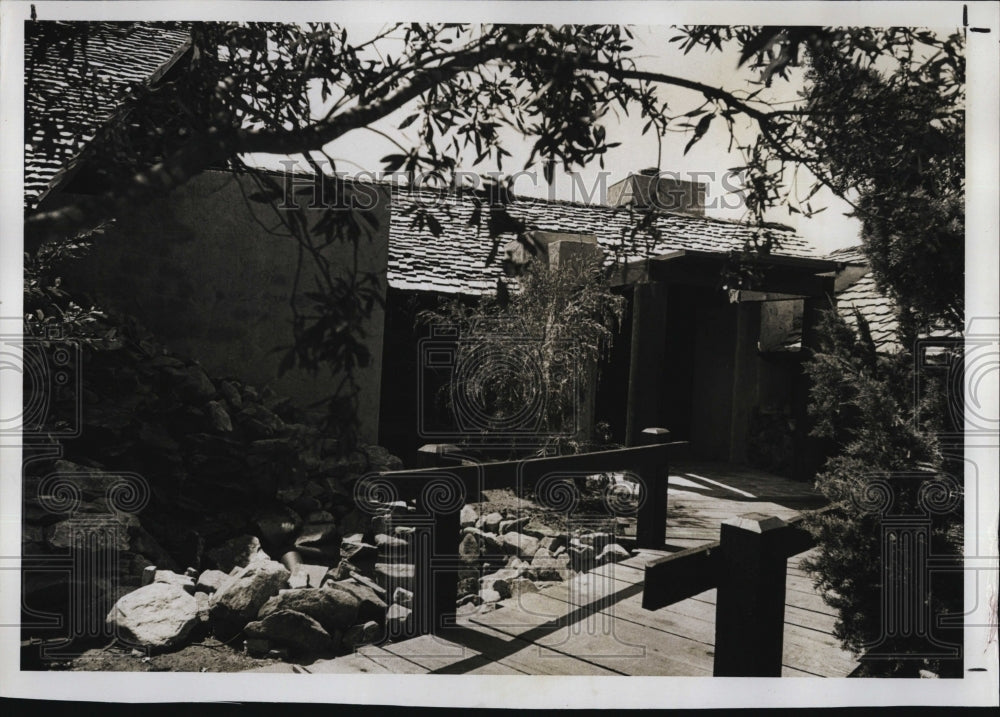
{"x":646,"y":358}
{"x":651,"y":522}
{"x":750,"y":606}
{"x":444,"y":569}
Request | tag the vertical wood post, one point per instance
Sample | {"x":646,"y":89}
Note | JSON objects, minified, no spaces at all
{"x":646,"y":358}
{"x":444,"y":569}
{"x":750,"y":606}
{"x":651,"y":522}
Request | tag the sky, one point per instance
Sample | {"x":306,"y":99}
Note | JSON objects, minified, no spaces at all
{"x":708,"y":160}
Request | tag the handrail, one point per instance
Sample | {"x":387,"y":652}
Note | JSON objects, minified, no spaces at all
{"x":441,"y":491}
{"x":748,"y":567}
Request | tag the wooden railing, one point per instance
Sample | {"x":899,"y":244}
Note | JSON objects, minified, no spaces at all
{"x":748,"y":567}
{"x":440,"y":492}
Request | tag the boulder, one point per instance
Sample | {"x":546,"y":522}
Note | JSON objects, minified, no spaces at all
{"x":612,"y":553}
{"x":469,"y":549}
{"x":320,"y":544}
{"x":399,"y":620}
{"x":547,"y":567}
{"x":513,"y":525}
{"x":184,"y":582}
{"x":231,"y":394}
{"x":468,"y":516}
{"x":393,"y":575}
{"x":355,"y":549}
{"x":391,"y":545}
{"x":490,"y":596}
{"x":596,"y":540}
{"x":499,"y":581}
{"x":218,"y":417}
{"x":379,"y":459}
{"x":159,"y":616}
{"x":552,"y":542}
{"x":491,"y":522}
{"x":333,"y":608}
{"x":190,"y":383}
{"x":371,"y":606}
{"x":379,"y":590}
{"x":365,"y":634}
{"x":296,"y":631}
{"x":241,"y":598}
{"x":237,"y":552}
{"x":519,"y":544}
{"x":307,"y":576}
{"x":402,"y":596}
{"x":521,"y":586}
{"x":72,"y":535}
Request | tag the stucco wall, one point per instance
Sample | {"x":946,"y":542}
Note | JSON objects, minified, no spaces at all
{"x":212,"y":283}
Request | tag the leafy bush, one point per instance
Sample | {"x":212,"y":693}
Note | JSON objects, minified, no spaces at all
{"x":865,"y":401}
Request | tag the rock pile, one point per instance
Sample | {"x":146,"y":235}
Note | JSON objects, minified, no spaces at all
{"x":505,"y":555}
{"x":185,"y":470}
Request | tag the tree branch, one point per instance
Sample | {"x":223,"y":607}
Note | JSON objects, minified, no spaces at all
{"x":216,"y":146}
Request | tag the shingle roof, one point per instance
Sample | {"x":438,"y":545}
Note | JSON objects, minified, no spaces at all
{"x":455,"y":262}
{"x":77,"y":95}
{"x":876,"y":308}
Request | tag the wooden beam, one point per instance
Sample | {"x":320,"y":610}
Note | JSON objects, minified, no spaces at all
{"x":680,"y":576}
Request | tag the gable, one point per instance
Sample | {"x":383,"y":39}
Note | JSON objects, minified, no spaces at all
{"x":69,"y":98}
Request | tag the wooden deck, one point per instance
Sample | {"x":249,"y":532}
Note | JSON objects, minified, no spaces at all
{"x":594,"y":624}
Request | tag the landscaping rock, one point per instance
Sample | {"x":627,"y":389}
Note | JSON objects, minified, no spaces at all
{"x":491,"y":523}
{"x":490,"y":595}
{"x":333,"y":608}
{"x":469,"y":549}
{"x":158,"y":616}
{"x":231,"y":394}
{"x":499,"y":581}
{"x":552,"y":542}
{"x":184,"y":582}
{"x":402,"y":596}
{"x":391,"y":545}
{"x":305,"y":575}
{"x":218,"y":417}
{"x":241,"y":598}
{"x":612,"y":553}
{"x":379,"y":590}
{"x":513,"y":525}
{"x":237,"y":553}
{"x":190,"y":383}
{"x":392,"y":575}
{"x":296,"y":631}
{"x":519,"y":544}
{"x":371,"y":606}
{"x":320,"y":541}
{"x":468,"y":516}
{"x":596,"y":540}
{"x":355,"y":549}
{"x":364,"y":634}
{"x":66,"y":535}
{"x":399,"y":620}
{"x":547,"y":567}
{"x":521,"y":586}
